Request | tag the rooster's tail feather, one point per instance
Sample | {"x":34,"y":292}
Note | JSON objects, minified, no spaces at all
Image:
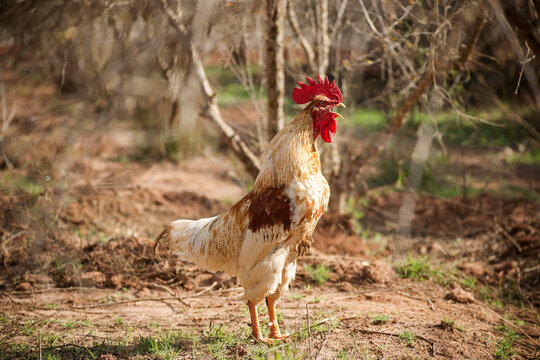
{"x":187,"y":239}
{"x":164,"y":235}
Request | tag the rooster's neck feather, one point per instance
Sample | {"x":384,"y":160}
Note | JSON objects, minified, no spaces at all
{"x":292,"y":154}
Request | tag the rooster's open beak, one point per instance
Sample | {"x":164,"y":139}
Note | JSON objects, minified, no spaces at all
{"x":339,"y":115}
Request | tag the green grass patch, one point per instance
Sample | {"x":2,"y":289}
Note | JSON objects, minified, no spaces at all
{"x":407,"y":337}
{"x":157,"y":346}
{"x":366,"y":120}
{"x":469,"y":282}
{"x":419,"y":268}
{"x":416,"y":268}
{"x":504,"y":349}
{"x":381,"y":319}
{"x":319,"y":274}
{"x":232,"y":94}
{"x":295,"y":296}
{"x":527,"y":157}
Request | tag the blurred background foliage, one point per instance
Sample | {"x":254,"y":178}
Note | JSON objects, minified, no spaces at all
{"x":125,"y":60}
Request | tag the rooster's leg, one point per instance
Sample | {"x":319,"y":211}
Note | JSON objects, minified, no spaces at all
{"x":255,"y":329}
{"x":274,"y":326}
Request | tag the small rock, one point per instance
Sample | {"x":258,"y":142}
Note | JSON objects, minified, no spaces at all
{"x":459,"y":295}
{"x":24,"y":286}
{"x":91,"y":279}
{"x":474,"y":268}
{"x":345,"y":287}
{"x":378,"y":272}
{"x":369,"y":296}
{"x":116,"y":281}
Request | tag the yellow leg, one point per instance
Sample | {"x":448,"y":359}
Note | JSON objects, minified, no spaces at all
{"x":255,"y":329}
{"x":274,"y":326}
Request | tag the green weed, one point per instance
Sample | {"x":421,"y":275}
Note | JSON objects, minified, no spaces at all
{"x":381,"y":319}
{"x":407,"y":337}
{"x":155,"y":345}
{"x":295,"y":296}
{"x":154,"y":325}
{"x":319,"y":274}
{"x":505,"y":347}
{"x":49,"y":356}
{"x":119,"y":321}
{"x":447,"y":323}
{"x":469,"y":282}
{"x":416,"y":268}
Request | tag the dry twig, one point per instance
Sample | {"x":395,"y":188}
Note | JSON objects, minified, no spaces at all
{"x":309,"y":328}
{"x":148,"y":299}
{"x":430,"y":342}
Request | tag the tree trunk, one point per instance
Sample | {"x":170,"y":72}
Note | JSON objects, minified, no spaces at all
{"x":323,"y":39}
{"x":275,"y":77}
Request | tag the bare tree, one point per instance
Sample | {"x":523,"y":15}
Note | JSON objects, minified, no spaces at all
{"x":6,"y":121}
{"x":443,"y":57}
{"x":210,"y":107}
{"x":275,"y":76}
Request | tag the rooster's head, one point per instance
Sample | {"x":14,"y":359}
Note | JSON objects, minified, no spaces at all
{"x":322,"y":97}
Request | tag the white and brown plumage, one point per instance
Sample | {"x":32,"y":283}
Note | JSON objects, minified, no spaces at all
{"x":260,"y":237}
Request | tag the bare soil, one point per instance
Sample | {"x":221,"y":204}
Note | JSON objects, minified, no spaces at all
{"x":77,"y":225}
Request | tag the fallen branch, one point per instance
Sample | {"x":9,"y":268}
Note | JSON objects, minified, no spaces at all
{"x":114,"y":303}
{"x":397,"y":292}
{"x":430,"y":342}
{"x":415,"y":298}
{"x":509,"y":237}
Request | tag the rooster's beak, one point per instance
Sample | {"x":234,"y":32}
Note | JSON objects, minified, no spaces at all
{"x":339,"y":115}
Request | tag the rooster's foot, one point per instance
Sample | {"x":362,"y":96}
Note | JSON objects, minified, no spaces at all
{"x":283,"y":337}
{"x":262,"y":340}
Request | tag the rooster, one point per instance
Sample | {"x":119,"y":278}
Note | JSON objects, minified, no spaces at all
{"x":260,"y":238}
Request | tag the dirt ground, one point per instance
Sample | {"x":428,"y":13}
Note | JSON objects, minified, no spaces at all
{"x":79,"y":279}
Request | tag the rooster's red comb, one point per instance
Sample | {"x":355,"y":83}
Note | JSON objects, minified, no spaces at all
{"x":307,"y":92}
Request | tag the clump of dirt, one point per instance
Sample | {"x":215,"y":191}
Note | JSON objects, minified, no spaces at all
{"x":500,"y":234}
{"x":336,"y":234}
{"x":450,"y":218}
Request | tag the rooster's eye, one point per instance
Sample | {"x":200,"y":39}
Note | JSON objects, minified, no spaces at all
{"x":321,"y":103}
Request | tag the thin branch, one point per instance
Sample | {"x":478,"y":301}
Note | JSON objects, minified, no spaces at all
{"x":416,"y":298}
{"x":398,"y":21}
{"x":114,"y":303}
{"x":378,"y":142}
{"x":339,"y":20}
{"x":293,"y":21}
{"x":309,"y":328}
{"x":430,"y":342}
{"x":210,"y":107}
{"x":368,"y":19}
